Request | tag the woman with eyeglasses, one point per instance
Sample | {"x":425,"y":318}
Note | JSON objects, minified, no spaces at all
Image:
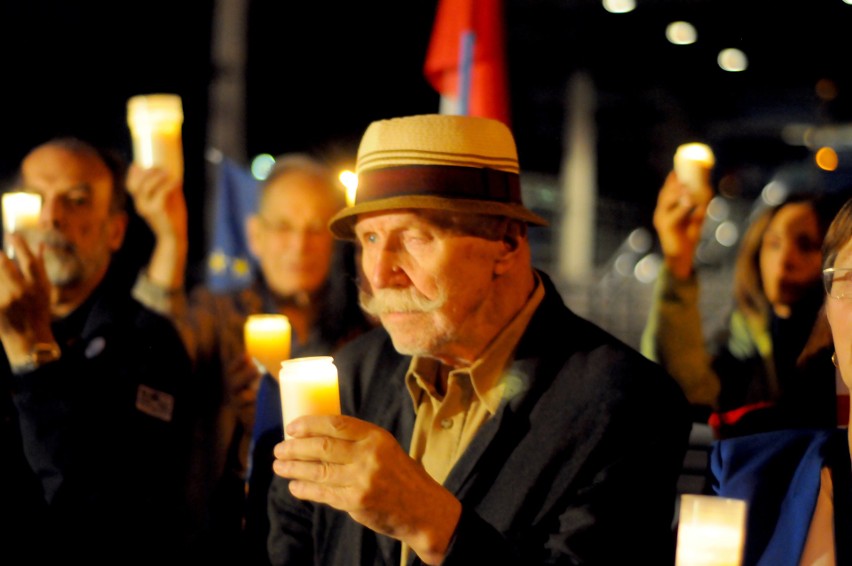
{"x":770,"y":367}
{"x":798,"y":482}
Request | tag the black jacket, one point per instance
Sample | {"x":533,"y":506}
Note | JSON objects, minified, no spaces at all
{"x":579,"y":466}
{"x":105,"y":429}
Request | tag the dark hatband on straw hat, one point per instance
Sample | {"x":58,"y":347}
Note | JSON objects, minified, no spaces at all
{"x":436,"y":161}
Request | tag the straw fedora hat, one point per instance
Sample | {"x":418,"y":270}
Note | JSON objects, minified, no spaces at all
{"x":436,"y":161}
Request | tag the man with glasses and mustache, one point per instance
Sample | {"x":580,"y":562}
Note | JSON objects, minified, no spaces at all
{"x":304,"y":274}
{"x":484,"y":422}
{"x":96,"y":379}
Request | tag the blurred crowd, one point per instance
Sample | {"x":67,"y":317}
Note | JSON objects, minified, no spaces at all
{"x":481,"y":418}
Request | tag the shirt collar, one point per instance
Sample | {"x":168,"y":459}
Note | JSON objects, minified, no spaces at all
{"x":487,"y":370}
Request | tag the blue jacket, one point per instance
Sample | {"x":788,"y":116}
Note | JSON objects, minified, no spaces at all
{"x":778,"y":474}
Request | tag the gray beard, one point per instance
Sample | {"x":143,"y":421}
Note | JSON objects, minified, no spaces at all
{"x":63,"y":269}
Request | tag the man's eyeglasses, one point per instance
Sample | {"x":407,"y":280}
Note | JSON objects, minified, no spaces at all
{"x":287,"y":229}
{"x":838,"y":282}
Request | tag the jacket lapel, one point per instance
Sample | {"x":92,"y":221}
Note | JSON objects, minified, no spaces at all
{"x":523,"y":378}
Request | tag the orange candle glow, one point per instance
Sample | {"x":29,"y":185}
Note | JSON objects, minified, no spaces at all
{"x":309,"y":386}
{"x":267,"y":338}
{"x":21,"y":211}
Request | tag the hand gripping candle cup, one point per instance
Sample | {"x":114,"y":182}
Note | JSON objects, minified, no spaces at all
{"x":309,"y":386}
{"x":155,"y":122}
{"x":693,"y":163}
{"x":21,"y":211}
{"x":711,"y":531}
{"x":267,"y":338}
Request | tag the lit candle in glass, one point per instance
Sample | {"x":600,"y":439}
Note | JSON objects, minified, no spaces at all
{"x":21,"y":211}
{"x":309,"y":386}
{"x":711,"y":531}
{"x":693,"y":163}
{"x":267,"y":338}
{"x":155,"y":122}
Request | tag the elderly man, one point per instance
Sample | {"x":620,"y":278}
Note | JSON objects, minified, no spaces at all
{"x":484,"y":422}
{"x":98,"y":382}
{"x":305,"y":275}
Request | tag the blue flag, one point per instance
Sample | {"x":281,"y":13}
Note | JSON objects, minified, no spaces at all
{"x":229,"y":263}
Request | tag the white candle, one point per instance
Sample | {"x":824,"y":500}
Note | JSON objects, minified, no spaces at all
{"x":693,"y":163}
{"x":711,"y":531}
{"x":309,"y":386}
{"x":267,"y":338}
{"x":155,"y":122}
{"x":21,"y":211}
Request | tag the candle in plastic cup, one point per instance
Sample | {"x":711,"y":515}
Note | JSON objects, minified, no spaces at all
{"x":155,"y":122}
{"x":21,"y":211}
{"x":309,"y":386}
{"x":267,"y":338}
{"x":693,"y":163}
{"x":711,"y":531}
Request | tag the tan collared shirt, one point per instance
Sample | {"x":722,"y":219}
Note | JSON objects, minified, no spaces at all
{"x":447,"y":422}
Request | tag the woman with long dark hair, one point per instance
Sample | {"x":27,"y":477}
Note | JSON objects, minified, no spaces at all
{"x":752,"y":376}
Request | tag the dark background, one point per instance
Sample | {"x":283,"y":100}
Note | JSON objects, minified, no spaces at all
{"x":318,"y":73}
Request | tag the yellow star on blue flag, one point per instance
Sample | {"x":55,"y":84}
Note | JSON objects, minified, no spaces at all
{"x":229,"y":263}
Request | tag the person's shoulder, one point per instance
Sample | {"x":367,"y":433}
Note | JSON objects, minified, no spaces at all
{"x":556,"y":330}
{"x":247,"y":299}
{"x":114,"y":304}
{"x":593,"y":363}
{"x":770,"y":463}
{"x":774,"y":443}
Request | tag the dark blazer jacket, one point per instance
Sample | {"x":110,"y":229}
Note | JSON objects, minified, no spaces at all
{"x":579,"y":465}
{"x":106,"y":431}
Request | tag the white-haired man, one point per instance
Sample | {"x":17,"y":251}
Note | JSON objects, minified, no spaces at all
{"x":484,"y":422}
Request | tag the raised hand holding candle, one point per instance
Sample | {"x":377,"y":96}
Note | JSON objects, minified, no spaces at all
{"x":693,"y":163}
{"x":711,"y":531}
{"x":267,"y":338}
{"x":21,"y":211}
{"x":309,"y":386}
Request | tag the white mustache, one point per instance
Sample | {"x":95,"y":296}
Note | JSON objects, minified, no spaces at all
{"x":398,"y":300}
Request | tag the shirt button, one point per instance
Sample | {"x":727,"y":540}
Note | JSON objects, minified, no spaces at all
{"x":446,"y":423}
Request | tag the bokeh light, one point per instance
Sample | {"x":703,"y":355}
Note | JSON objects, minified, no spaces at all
{"x":619,"y":6}
{"x":261,"y":165}
{"x":718,"y":209}
{"x":648,"y":268}
{"x":826,"y":159}
{"x":774,"y":193}
{"x":732,"y":60}
{"x":681,"y":33}
{"x":350,"y":181}
{"x":727,"y":233}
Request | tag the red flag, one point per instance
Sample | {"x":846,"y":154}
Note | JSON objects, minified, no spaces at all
{"x":466,"y":59}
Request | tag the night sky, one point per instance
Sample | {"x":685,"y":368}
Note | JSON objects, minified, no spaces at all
{"x":317,"y":74}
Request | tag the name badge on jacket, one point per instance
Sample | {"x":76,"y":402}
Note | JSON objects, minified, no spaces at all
{"x":157,"y":404}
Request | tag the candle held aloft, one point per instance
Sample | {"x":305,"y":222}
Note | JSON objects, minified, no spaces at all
{"x":267,"y":338}
{"x":155,"y":122}
{"x":21,"y":211}
{"x":309,"y":386}
{"x":693,"y":163}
